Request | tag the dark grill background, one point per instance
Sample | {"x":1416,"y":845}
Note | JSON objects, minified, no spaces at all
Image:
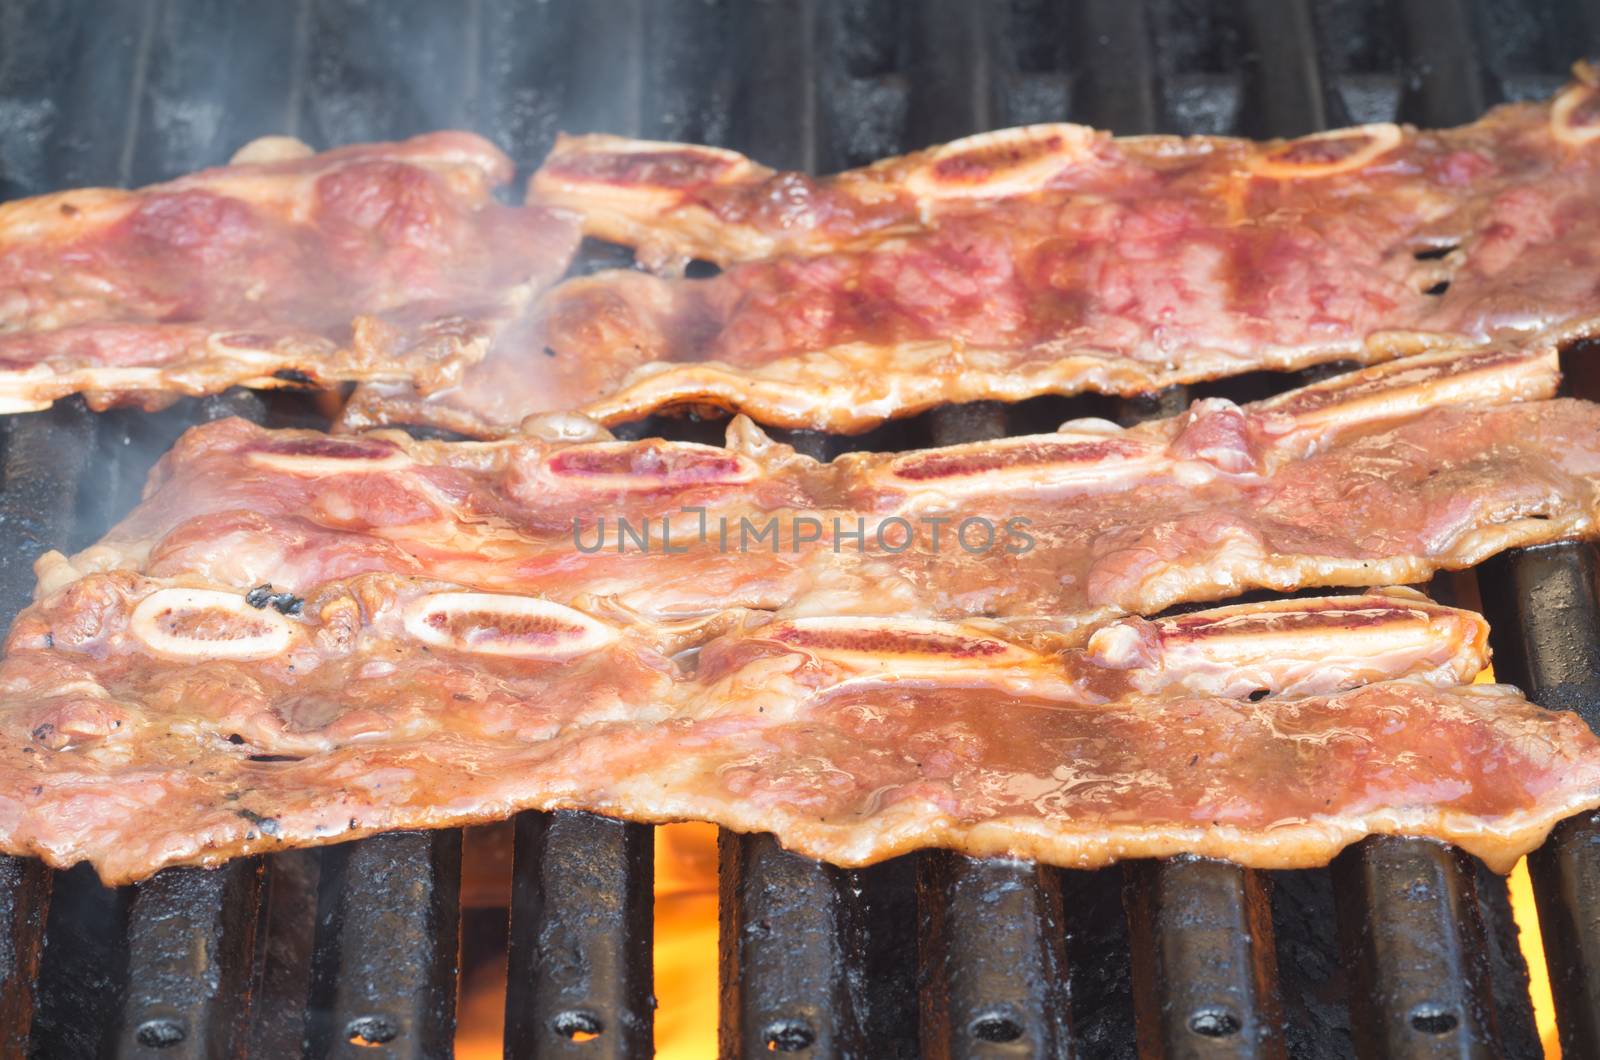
{"x":1401,"y":948}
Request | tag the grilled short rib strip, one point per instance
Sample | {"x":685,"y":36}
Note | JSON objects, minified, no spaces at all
{"x":156,"y":722}
{"x":1052,"y":259}
{"x":1375,"y":477}
{"x":378,"y":261}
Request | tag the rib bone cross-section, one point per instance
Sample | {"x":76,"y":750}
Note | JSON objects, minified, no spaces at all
{"x":298,"y":638}
{"x":149,"y":722}
{"x":1044,"y":260}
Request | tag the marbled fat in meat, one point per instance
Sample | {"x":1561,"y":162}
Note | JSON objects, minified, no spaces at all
{"x":1382,"y":476}
{"x":377,"y":261}
{"x":1045,"y":260}
{"x":151,"y":722}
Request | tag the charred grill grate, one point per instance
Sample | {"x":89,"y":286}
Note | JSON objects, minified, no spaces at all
{"x":1402,"y":948}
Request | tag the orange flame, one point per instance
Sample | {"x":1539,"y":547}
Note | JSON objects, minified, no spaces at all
{"x":481,"y":1016}
{"x":685,"y":948}
{"x":686,"y":955}
{"x":1523,"y":911}
{"x":686,"y":941}
{"x":1526,"y":916}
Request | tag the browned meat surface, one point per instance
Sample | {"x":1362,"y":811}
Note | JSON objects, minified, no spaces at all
{"x":381,"y":261}
{"x":1377,"y":477}
{"x":1052,"y":259}
{"x":149,"y":722}
{"x":456,"y":631}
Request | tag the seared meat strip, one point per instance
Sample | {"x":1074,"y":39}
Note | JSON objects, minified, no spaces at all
{"x":379,"y":261}
{"x":155,"y":722}
{"x":1051,"y":259}
{"x":1375,"y":477}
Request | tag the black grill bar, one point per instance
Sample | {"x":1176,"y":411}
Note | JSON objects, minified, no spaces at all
{"x":388,"y":925}
{"x":1411,"y":996}
{"x":685,"y":85}
{"x":581,"y":917}
{"x":1545,"y":625}
{"x":976,"y":421}
{"x":46,"y":455}
{"x":882,"y":903}
{"x":1446,"y":80}
{"x":1202,"y":990}
{"x":125,"y":440}
{"x":207,"y":60}
{"x":993,"y":958}
{"x":1117,"y":87}
{"x":784,"y":953}
{"x":1116,"y":84}
{"x":24,"y":900}
{"x":1546,"y":630}
{"x":580,"y":963}
{"x":84,"y":970}
{"x":604,"y":66}
{"x":384,"y":967}
{"x":522,"y":53}
{"x":1099,"y":961}
{"x":1409,"y":920}
{"x":1204,"y":974}
{"x":1283,"y":77}
{"x":787,"y":948}
{"x":191,"y":939}
{"x":998,"y":989}
{"x":284,"y":952}
{"x":774,"y":99}
{"x":109,"y":45}
{"x":33,"y":81}
{"x":414,"y":69}
{"x":951,"y":80}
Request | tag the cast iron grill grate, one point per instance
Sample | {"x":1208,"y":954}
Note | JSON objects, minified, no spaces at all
{"x":1402,"y":948}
